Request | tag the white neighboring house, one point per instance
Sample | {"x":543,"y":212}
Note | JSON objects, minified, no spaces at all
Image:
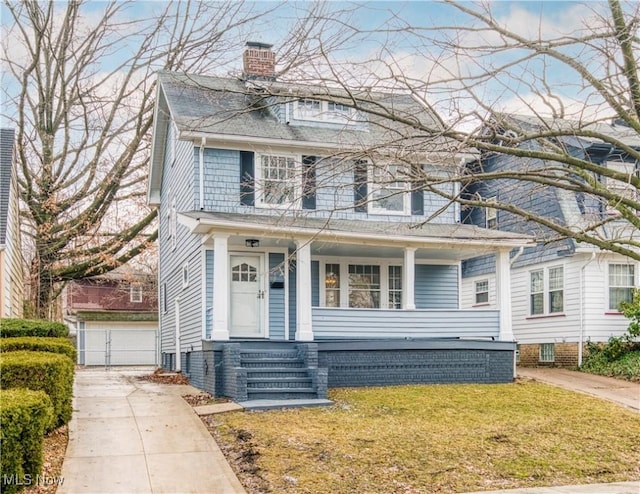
{"x":564,"y":293}
{"x":11,"y":274}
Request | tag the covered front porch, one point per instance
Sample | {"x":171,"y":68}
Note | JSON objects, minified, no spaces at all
{"x":318,"y":280}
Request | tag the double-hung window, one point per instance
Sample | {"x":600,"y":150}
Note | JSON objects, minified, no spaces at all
{"x":135,"y":293}
{"x":546,"y":291}
{"x":362,"y":285}
{"x":323,"y":111}
{"x":482,"y":292}
{"x":491,"y":215}
{"x":279,"y":179}
{"x":389,"y":190}
{"x":621,"y":284}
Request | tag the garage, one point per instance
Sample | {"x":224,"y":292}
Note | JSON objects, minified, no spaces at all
{"x":116,"y":343}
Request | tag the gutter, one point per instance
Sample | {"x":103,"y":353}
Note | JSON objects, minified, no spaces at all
{"x":581,"y":334}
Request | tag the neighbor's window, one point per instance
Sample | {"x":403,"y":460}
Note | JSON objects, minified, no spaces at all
{"x":185,"y":276}
{"x":135,"y":293}
{"x":389,"y":190}
{"x":547,"y":352}
{"x":364,"y":286}
{"x":622,"y":188}
{"x":537,"y":292}
{"x":163,"y":298}
{"x":556,"y":289}
{"x":482,"y":292}
{"x":279,"y":180}
{"x":173,"y":222}
{"x":395,"y":287}
{"x":621,"y":284}
{"x":332,"y":285}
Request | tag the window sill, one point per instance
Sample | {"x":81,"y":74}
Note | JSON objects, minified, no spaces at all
{"x":483,"y":304}
{"x":613,"y":313}
{"x":379,"y":212}
{"x":546,"y":316}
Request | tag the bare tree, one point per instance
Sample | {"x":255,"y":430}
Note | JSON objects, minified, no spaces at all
{"x":576,"y":83}
{"x":79,"y":89}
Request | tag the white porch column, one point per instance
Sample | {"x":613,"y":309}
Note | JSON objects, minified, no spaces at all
{"x":409,"y":279}
{"x":220,"y":288}
{"x":503,"y":294}
{"x":304,"y":330}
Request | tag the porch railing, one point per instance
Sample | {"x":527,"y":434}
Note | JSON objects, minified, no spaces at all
{"x":330,"y":323}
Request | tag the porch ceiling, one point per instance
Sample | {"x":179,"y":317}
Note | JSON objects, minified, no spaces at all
{"x":340,"y":237}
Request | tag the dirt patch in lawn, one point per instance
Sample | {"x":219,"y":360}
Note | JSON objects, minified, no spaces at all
{"x":433,"y":439}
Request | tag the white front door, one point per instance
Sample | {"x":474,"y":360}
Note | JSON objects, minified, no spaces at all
{"x":247,"y":296}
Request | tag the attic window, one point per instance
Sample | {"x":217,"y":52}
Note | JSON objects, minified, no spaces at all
{"x":313,"y":110}
{"x":135,"y":293}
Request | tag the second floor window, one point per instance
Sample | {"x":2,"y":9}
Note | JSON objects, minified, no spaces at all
{"x":491,"y":215}
{"x":622,"y":188}
{"x":389,"y":190}
{"x":135,"y":293}
{"x":278,"y":180}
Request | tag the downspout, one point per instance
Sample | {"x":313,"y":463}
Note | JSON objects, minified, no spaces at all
{"x":581,"y":334}
{"x":201,"y":174}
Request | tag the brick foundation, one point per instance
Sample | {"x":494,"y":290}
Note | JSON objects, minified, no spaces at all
{"x":566,"y":355}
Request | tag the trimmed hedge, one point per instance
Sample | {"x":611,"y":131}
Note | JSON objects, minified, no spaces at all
{"x":39,"y":344}
{"x":12,"y":328}
{"x":49,"y":372}
{"x":24,"y":416}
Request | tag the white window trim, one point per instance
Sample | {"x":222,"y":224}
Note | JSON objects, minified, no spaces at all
{"x":173,"y":222}
{"x":373,"y":186}
{"x":344,"y":278}
{"x":546,"y":303}
{"x":619,"y":187}
{"x":135,"y":293}
{"x":163,"y":298}
{"x":259,"y":193}
{"x":608,"y":286}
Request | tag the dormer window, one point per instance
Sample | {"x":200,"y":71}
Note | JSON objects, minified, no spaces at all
{"x":323,"y":111}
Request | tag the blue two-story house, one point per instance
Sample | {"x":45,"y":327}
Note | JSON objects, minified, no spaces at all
{"x":298,"y":248}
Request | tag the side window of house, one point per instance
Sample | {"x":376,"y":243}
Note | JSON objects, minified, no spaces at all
{"x":163,"y":298}
{"x":185,"y":275}
{"x":621,"y":284}
{"x":135,"y":293}
{"x":547,"y":291}
{"x":482,"y":292}
{"x":491,"y":214}
{"x":173,"y":223}
{"x":547,"y":352}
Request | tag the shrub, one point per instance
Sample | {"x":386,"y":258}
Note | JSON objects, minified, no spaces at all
{"x":24,"y":416}
{"x":10,"y":328}
{"x":49,"y":372}
{"x":39,"y":344}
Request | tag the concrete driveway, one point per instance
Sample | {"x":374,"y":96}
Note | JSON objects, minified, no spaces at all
{"x":624,"y":393}
{"x":131,"y":436}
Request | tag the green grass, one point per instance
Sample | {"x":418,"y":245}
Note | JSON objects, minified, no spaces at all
{"x":625,"y":367}
{"x":427,"y":439}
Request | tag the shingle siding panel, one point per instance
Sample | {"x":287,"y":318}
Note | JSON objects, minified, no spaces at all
{"x":276,"y":299}
{"x":436,"y":286}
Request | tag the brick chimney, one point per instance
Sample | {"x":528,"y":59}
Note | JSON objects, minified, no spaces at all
{"x":259,"y":61}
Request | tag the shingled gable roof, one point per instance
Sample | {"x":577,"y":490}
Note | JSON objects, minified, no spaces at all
{"x":236,"y":110}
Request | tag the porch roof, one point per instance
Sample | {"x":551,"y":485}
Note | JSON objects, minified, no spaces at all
{"x":383,"y":233}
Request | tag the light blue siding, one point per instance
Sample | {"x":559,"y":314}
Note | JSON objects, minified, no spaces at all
{"x":276,"y":301}
{"x":384,"y":323}
{"x":436,"y":286}
{"x":334,"y":191}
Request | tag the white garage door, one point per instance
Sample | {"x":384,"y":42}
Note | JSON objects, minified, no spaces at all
{"x":117,"y":345}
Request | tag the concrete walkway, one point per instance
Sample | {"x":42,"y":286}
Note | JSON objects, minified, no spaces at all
{"x":624,"y":393}
{"x":129,"y":436}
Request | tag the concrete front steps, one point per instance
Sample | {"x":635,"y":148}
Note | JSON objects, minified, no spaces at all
{"x":272,"y":376}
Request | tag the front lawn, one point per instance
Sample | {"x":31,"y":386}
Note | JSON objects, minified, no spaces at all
{"x":427,"y":439}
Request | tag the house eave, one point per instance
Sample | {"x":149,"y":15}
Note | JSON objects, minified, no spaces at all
{"x":205,"y":225}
